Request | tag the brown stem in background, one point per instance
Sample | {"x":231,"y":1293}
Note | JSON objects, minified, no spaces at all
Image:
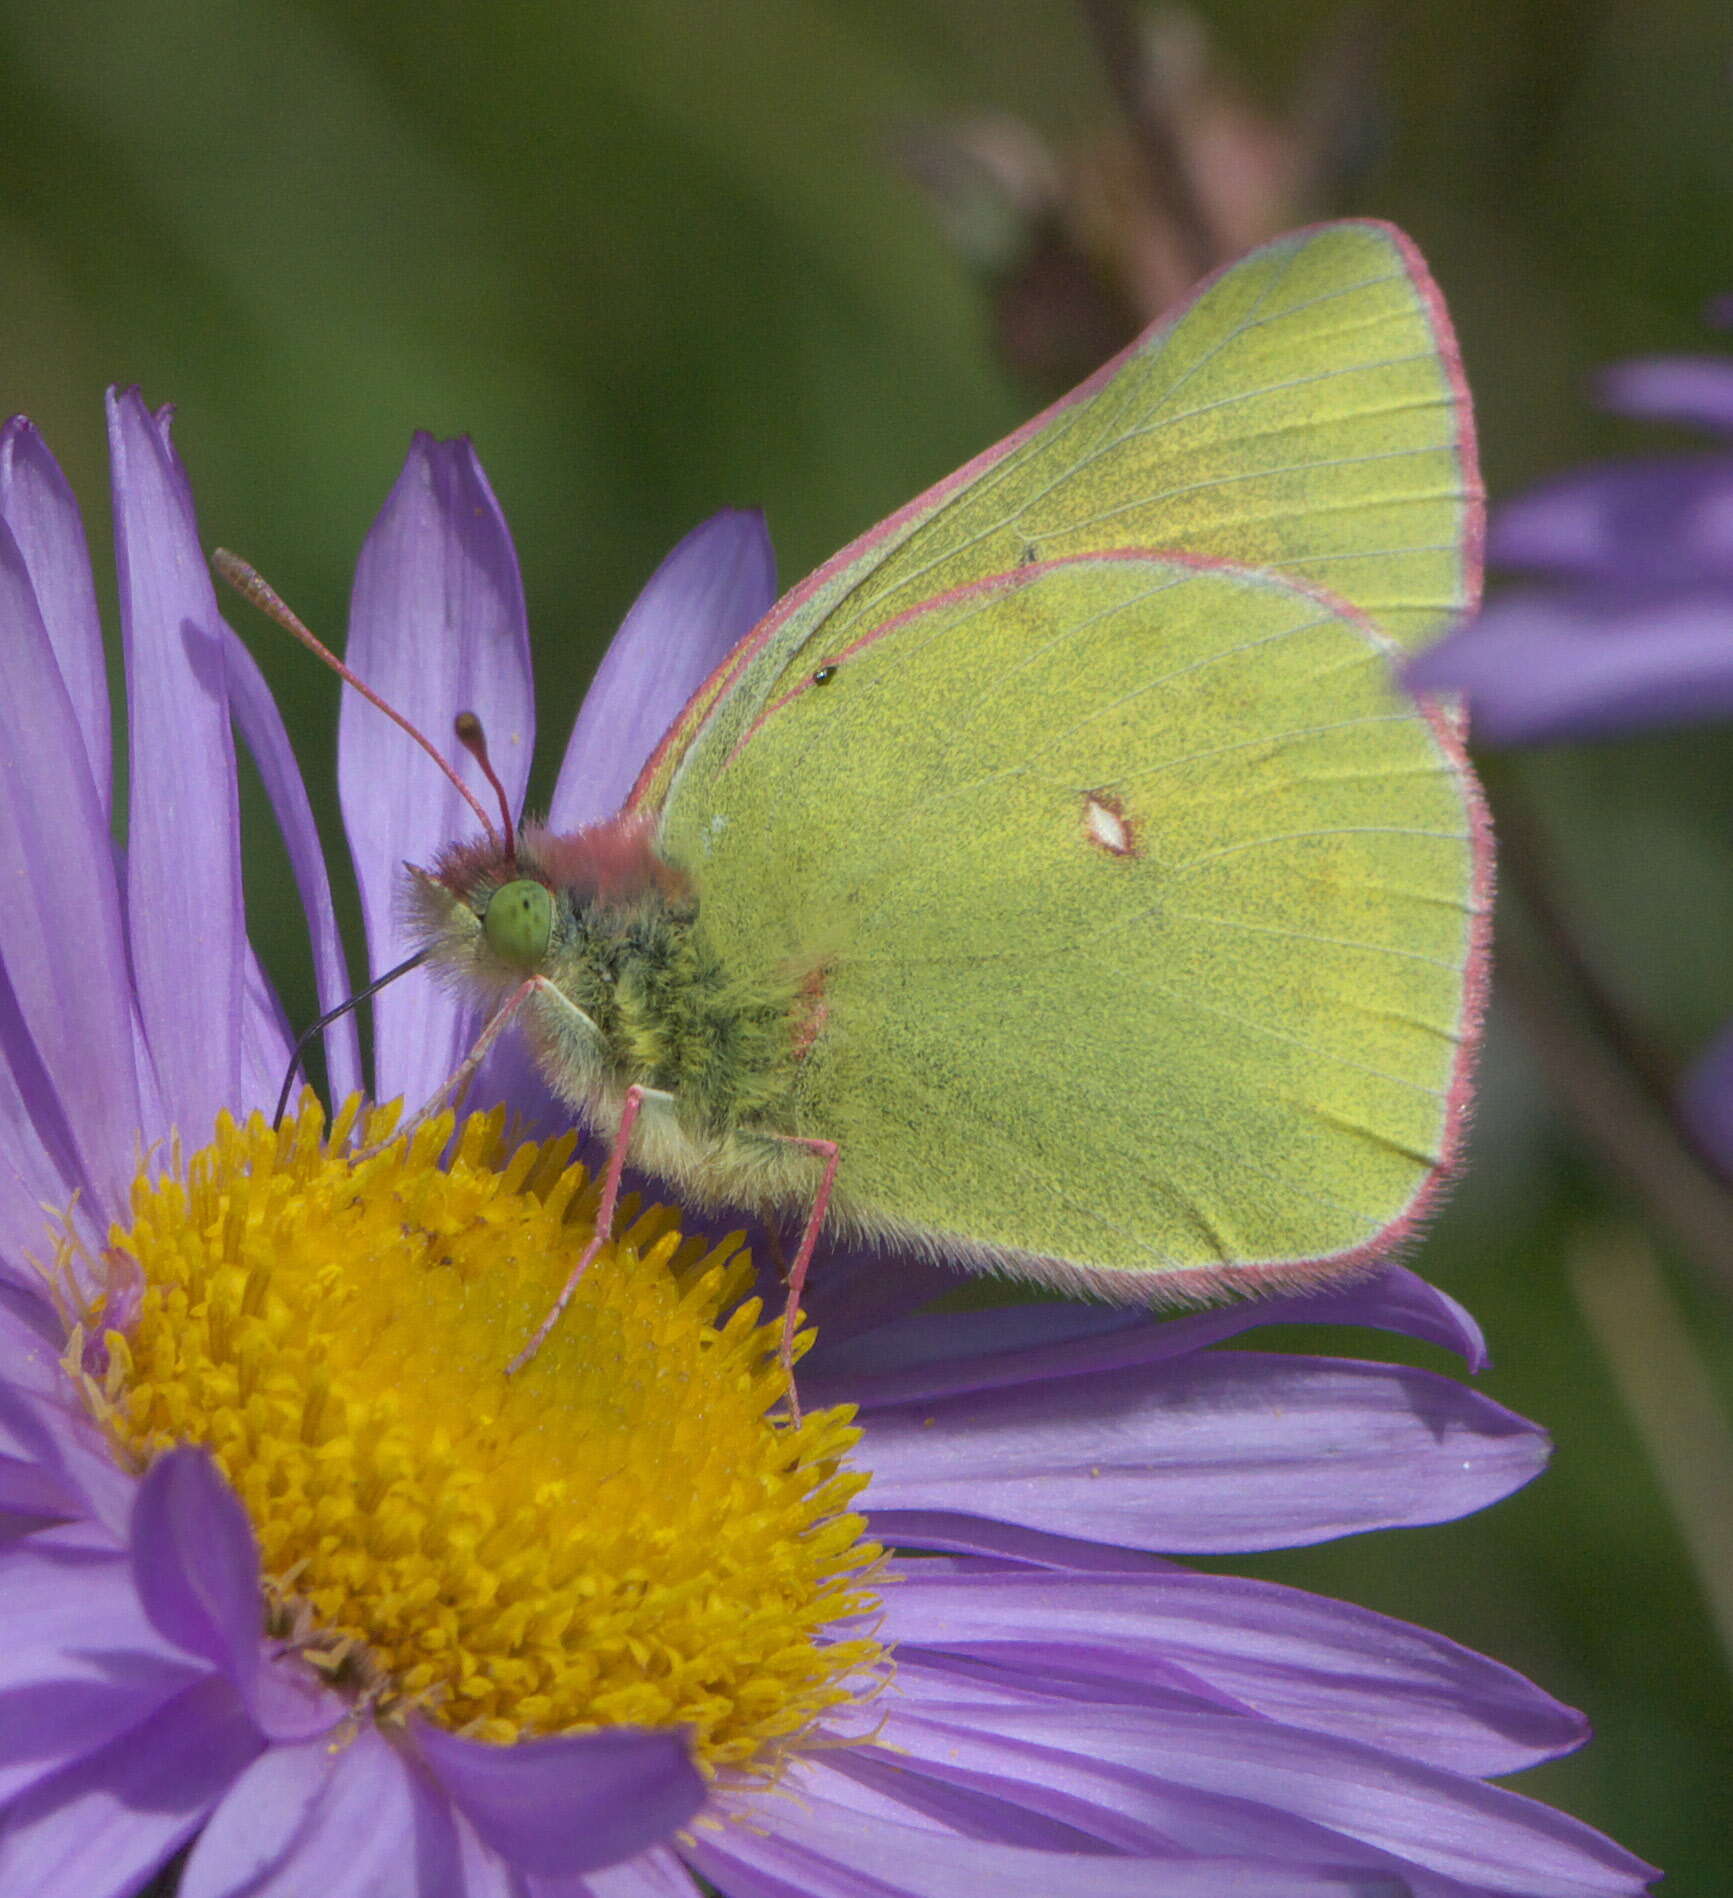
{"x":1525,"y":869}
{"x":1672,"y":1401}
{"x":1113,"y":26}
{"x":1339,"y":104}
{"x":1619,"y":1120}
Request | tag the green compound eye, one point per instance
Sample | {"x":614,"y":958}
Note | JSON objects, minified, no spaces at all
{"x":519,"y":922}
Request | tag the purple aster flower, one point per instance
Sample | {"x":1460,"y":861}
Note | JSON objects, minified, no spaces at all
{"x":1631,"y":623}
{"x":296,"y":1583}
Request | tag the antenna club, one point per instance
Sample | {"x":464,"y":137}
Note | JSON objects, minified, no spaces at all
{"x":474,"y":740}
{"x":242,"y":577}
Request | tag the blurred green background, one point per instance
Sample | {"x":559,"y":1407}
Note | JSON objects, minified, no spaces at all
{"x":662,"y":259}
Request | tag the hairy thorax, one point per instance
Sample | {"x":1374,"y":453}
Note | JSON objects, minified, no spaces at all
{"x":629,"y":992}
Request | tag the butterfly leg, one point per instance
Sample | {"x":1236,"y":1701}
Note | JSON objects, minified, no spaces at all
{"x":630,"y":1109}
{"x":453,"y":1087}
{"x":830,"y":1153}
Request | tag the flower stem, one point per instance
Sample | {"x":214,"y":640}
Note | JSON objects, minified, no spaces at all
{"x":1114,"y":28}
{"x":1525,"y":866}
{"x":1672,"y":1400}
{"x":1617,"y":1118}
{"x":1604,"y":1067}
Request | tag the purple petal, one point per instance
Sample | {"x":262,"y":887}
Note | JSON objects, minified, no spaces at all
{"x":29,"y":1497}
{"x":1632,"y":524}
{"x":653,"y":1874}
{"x":32,"y":1484}
{"x":351,"y":1820}
{"x":61,"y":939}
{"x":27,"y":1314}
{"x":1569,"y":527}
{"x":63,"y":1608}
{"x":437,"y":626}
{"x":819,"y":1848}
{"x":36,"y":504}
{"x":1005,"y":1746}
{"x":56,"y":1434}
{"x":80,"y":1665}
{"x":705,"y":597}
{"x":104,"y":1825}
{"x":46,"y":1728}
{"x":570,"y":1804}
{"x":485,"y":1874}
{"x":1537,"y":666}
{"x":32,"y":1344}
{"x":196,"y":1563}
{"x":1706,"y":1100}
{"x":1219,"y":1452}
{"x":1394,"y":1300}
{"x":1207,"y":1781}
{"x":940,"y":1354}
{"x":1695,"y":390}
{"x":196,"y":1567}
{"x":40,"y":1162}
{"x":1005,"y":1542}
{"x":1046,"y":1673}
{"x":855,"y":1289}
{"x":930,"y":1354}
{"x":871,"y":1786}
{"x":1296,"y":1658}
{"x":265,"y":1037}
{"x":261,"y":725}
{"x":183,"y":841}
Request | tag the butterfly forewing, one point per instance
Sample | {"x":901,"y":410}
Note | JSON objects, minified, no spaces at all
{"x":1305,"y":413}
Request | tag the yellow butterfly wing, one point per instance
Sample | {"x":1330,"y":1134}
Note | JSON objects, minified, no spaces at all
{"x":1305,"y":411}
{"x":1141,"y":903}
{"x":1147,"y":914}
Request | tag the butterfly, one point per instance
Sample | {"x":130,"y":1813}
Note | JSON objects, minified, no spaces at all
{"x":1056,"y":882}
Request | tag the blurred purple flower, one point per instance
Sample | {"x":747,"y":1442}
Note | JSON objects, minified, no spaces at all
{"x":1634,"y":627}
{"x":1069,"y":1711}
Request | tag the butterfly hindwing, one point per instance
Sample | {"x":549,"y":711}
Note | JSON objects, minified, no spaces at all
{"x":1140,"y":901}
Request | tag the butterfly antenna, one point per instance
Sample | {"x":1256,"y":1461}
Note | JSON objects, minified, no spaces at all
{"x":474,"y":740}
{"x":251,"y":585}
{"x":299,"y":1050}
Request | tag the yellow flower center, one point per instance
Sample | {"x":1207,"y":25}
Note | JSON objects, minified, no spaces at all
{"x":621,"y":1534}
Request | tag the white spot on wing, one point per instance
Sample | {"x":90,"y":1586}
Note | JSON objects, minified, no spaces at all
{"x":1107,"y":825}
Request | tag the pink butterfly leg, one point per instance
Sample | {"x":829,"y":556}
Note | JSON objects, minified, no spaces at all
{"x":803,"y":1258}
{"x":452,"y":1088}
{"x":629,"y":1112}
